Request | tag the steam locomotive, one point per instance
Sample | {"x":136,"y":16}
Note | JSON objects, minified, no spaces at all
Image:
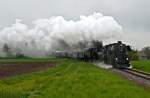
{"x":115,"y":54}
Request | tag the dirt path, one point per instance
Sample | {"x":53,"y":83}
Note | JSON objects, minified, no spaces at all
{"x":11,"y":69}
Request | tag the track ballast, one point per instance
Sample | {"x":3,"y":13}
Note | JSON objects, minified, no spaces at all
{"x":137,"y":73}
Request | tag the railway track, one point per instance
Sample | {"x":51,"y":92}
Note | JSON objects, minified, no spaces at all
{"x":137,"y":73}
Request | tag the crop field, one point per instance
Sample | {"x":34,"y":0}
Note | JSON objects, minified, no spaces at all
{"x":141,"y":65}
{"x":67,"y":79}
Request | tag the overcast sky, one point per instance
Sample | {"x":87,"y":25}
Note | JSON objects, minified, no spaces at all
{"x":133,"y":15}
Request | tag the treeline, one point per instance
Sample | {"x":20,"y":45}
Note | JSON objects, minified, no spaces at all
{"x":143,"y":54}
{"x":133,"y":55}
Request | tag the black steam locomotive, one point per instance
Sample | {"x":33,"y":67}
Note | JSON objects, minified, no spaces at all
{"x":115,"y":54}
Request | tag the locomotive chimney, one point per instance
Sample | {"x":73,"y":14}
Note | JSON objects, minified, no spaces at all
{"x":119,"y":42}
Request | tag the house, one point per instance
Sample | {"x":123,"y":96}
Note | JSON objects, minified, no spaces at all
{"x":142,"y":55}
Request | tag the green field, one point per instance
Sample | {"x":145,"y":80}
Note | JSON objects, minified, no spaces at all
{"x":141,"y":65}
{"x":70,"y":79}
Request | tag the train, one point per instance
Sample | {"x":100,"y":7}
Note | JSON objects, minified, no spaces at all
{"x":115,"y":54}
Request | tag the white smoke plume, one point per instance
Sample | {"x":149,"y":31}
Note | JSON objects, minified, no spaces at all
{"x":48,"y":34}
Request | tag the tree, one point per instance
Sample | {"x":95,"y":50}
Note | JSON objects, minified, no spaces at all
{"x":133,"y":55}
{"x":7,"y":50}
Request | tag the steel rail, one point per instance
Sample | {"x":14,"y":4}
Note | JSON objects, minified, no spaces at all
{"x":137,"y":73}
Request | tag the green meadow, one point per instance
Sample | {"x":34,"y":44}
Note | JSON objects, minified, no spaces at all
{"x":69,"y":79}
{"x":142,"y":65}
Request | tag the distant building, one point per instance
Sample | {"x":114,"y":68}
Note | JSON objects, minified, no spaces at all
{"x":142,"y":55}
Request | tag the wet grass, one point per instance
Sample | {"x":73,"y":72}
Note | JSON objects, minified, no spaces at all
{"x":71,"y":79}
{"x":141,"y":65}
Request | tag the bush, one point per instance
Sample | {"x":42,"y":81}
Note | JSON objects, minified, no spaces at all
{"x":133,"y":55}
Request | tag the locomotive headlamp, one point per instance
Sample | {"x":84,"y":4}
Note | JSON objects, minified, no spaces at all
{"x":127,"y":58}
{"x":116,"y":59}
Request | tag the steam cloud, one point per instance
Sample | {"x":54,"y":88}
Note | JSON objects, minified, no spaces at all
{"x":56,"y":32}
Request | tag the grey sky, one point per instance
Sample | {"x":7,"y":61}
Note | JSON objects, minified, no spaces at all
{"x":133,"y":15}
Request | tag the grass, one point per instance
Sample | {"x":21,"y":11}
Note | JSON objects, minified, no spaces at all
{"x":71,"y":79}
{"x":141,"y":65}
